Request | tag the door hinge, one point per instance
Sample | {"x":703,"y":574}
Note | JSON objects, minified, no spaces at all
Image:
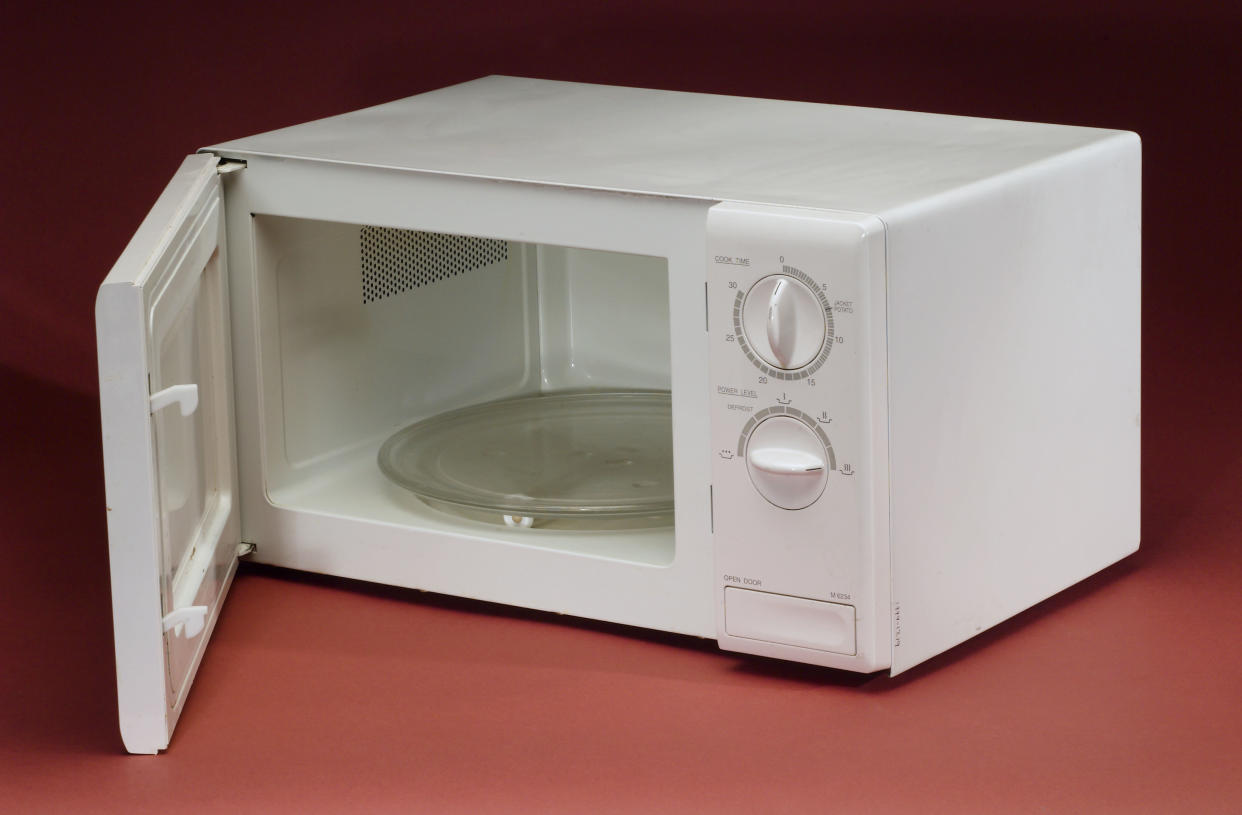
{"x":230,"y":165}
{"x":244,"y":549}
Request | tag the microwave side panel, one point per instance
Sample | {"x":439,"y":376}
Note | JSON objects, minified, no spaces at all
{"x":1014,"y":317}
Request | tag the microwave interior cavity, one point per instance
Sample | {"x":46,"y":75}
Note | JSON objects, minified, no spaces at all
{"x":541,"y":374}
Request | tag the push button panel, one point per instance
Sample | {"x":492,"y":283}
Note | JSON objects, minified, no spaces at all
{"x":796,"y":621}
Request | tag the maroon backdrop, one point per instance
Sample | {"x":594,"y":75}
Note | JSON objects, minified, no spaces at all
{"x":1122,"y":693}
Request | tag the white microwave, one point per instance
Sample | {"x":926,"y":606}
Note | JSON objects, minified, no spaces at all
{"x":829,"y":384}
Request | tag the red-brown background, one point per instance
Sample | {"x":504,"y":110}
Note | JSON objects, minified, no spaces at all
{"x":1122,"y":694}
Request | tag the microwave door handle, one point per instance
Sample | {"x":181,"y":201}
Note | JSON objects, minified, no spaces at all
{"x":782,"y":323}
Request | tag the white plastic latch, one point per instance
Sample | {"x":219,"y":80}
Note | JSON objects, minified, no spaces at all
{"x":519,"y":521}
{"x":187,"y":622}
{"x":186,"y":396}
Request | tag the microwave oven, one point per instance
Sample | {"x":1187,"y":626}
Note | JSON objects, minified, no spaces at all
{"x":838,"y":385}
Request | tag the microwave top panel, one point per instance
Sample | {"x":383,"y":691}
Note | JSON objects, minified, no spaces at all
{"x":685,"y":145}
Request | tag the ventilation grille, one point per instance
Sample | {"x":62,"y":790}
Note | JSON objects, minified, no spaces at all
{"x":397,"y":260}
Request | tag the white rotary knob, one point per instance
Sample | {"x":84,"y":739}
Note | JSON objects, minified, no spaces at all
{"x":787,"y":462}
{"x":784,"y":322}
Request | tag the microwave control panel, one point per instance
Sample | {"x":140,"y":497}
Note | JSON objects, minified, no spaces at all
{"x":795,"y":323}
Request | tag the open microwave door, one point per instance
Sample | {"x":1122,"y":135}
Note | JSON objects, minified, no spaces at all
{"x":165,"y":393}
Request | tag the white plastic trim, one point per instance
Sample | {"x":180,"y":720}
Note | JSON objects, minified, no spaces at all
{"x":186,"y":396}
{"x":785,"y":461}
{"x":186,"y":622}
{"x":782,"y":324}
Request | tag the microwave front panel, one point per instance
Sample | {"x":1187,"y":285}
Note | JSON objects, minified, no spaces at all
{"x":166,"y":404}
{"x":602,"y":287}
{"x":795,"y":312}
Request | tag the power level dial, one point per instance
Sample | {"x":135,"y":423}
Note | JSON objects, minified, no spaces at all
{"x":785,"y":324}
{"x":788,"y":462}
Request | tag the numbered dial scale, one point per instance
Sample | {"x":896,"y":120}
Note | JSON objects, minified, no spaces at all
{"x":787,"y":455}
{"x":784,"y":325}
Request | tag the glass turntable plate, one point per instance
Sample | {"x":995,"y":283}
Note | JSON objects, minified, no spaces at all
{"x":567,"y":454}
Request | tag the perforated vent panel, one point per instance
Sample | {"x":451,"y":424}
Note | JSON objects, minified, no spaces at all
{"x":397,"y":260}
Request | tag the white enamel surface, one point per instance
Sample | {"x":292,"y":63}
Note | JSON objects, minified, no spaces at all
{"x":162,"y":317}
{"x":674,"y":144}
{"x":784,"y":322}
{"x":787,"y":462}
{"x":1014,"y":375}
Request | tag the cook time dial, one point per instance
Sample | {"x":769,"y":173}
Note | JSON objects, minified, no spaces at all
{"x":784,"y":324}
